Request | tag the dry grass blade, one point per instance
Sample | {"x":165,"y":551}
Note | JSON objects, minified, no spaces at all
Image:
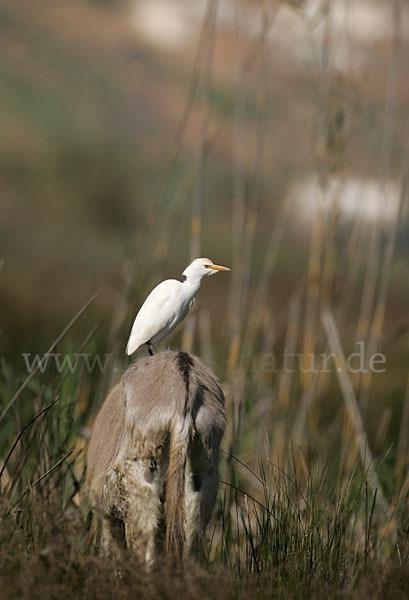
{"x":260,"y":504}
{"x":285,"y":381}
{"x":23,"y":429}
{"x":379,"y":317}
{"x":51,"y":348}
{"x":198,"y":196}
{"x":351,"y":404}
{"x":239,"y":194}
{"x":270,"y":261}
{"x":306,"y":403}
{"x":402,"y":460}
{"x":178,"y":140}
{"x":35,"y":483}
{"x":393,"y":77}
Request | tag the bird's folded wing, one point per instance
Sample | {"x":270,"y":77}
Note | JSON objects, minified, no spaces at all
{"x":156,"y":313}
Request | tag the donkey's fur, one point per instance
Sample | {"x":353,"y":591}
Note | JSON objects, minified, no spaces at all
{"x":153,"y":458}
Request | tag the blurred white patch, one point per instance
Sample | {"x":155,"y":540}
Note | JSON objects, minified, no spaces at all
{"x":169,"y":24}
{"x":297,"y":34}
{"x":348,"y":26}
{"x":354,"y":197}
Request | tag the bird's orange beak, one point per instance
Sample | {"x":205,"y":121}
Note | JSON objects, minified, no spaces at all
{"x":217,"y":268}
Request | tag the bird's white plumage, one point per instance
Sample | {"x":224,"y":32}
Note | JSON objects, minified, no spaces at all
{"x":168,"y":304}
{"x":157,"y":314}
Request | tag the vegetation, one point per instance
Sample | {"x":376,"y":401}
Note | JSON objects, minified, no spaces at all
{"x":314,"y":479}
{"x":301,"y":528}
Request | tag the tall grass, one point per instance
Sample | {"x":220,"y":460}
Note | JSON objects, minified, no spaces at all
{"x":311,"y":501}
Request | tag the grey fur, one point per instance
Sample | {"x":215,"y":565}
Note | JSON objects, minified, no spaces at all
{"x":152,"y":472}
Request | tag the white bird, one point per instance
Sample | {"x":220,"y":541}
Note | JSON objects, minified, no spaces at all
{"x":167,"y":304}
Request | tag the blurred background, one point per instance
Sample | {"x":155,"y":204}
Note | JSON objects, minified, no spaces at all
{"x":270,"y":136}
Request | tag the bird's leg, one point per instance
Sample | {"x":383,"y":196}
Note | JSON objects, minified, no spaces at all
{"x":151,"y":348}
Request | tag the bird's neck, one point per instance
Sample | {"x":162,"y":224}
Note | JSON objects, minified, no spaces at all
{"x":192,"y":284}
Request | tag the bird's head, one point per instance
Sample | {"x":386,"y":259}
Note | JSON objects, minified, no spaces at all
{"x":202,"y":267}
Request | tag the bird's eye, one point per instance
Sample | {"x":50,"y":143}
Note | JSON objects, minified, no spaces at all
{"x":208,"y":266}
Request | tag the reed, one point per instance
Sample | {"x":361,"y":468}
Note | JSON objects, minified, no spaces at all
{"x":314,"y":486}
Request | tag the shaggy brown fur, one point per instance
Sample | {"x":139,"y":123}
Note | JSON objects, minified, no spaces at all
{"x":152,"y":471}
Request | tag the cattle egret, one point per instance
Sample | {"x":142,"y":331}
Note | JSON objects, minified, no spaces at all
{"x":167,"y":304}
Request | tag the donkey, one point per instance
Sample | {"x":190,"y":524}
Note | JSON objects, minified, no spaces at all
{"x":152,"y":473}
